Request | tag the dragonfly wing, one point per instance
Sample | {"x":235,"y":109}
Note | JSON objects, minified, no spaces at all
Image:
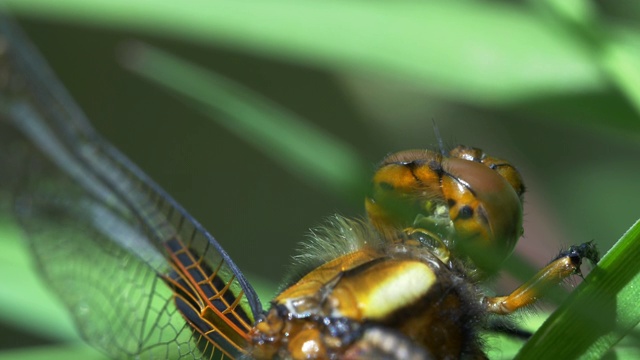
{"x":128,"y":261}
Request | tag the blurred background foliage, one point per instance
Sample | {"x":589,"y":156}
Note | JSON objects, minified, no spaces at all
{"x":552,"y":86}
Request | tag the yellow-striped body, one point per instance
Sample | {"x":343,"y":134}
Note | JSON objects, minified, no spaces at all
{"x":395,"y":285}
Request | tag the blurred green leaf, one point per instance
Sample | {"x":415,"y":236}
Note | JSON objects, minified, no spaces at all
{"x":62,"y":352}
{"x":615,"y":57}
{"x":293,"y":142}
{"x":461,"y":49}
{"x":24,"y":300}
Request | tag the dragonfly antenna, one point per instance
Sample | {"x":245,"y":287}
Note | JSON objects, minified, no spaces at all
{"x":436,"y":130}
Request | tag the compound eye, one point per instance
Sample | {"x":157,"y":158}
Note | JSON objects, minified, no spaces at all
{"x":406,"y":184}
{"x":467,"y":153}
{"x":485,"y":209}
{"x":504,"y":168}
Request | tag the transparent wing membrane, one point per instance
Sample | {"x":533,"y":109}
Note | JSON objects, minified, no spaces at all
{"x":141,"y":277}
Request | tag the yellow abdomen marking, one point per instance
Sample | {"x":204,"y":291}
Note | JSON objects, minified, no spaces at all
{"x":378,"y":290}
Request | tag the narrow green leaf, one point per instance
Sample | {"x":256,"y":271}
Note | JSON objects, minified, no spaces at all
{"x":616,"y":48}
{"x":458,"y":49}
{"x":600,"y":312}
{"x":620,"y":60}
{"x":290,"y":140}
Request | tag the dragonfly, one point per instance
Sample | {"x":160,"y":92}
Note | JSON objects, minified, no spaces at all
{"x":143,"y":279}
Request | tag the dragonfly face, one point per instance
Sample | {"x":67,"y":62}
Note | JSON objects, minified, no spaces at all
{"x":143,"y":279}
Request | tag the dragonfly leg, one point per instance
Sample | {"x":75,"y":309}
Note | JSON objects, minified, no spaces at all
{"x":567,"y":263}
